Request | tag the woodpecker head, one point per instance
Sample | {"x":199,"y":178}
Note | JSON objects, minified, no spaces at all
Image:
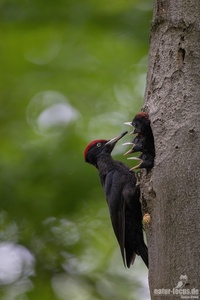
{"x":99,"y":147}
{"x":137,"y":144}
{"x":141,"y":123}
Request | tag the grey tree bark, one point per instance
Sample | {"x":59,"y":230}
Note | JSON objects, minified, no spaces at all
{"x":171,"y":191}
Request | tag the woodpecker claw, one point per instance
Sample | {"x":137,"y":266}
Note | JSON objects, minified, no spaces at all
{"x":138,"y":177}
{"x":146,"y":219}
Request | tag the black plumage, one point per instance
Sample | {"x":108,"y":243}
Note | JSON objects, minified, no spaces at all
{"x":143,"y":142}
{"x":137,"y":144}
{"x":122,"y":195}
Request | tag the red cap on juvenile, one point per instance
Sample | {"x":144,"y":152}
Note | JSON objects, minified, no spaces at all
{"x":142,"y":114}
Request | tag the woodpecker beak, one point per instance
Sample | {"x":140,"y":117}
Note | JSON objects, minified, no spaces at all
{"x":129,"y":151}
{"x":128,"y":143}
{"x":146,"y":161}
{"x":136,"y":158}
{"x":132,"y":132}
{"x":111,"y":143}
{"x":128,"y":123}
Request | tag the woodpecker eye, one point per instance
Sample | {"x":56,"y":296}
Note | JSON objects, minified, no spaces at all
{"x":98,"y":144}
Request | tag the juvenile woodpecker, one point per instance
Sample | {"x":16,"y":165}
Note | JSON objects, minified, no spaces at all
{"x":137,"y":144}
{"x":143,"y":142}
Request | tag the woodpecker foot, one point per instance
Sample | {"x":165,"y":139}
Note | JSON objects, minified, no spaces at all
{"x":146,"y":219}
{"x":138,"y":177}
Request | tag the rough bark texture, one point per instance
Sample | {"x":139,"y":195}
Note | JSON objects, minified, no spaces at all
{"x":171,"y":191}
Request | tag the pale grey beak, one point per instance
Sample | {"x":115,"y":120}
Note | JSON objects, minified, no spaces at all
{"x":128,"y":123}
{"x":117,"y":138}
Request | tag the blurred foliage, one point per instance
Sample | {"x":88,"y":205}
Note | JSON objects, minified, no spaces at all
{"x":71,"y":71}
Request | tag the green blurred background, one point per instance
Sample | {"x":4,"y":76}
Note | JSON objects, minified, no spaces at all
{"x":71,"y":71}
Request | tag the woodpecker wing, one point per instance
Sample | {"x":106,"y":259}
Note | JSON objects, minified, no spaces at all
{"x":113,"y":192}
{"x":125,"y":212}
{"x":122,"y":196}
{"x":117,"y":215}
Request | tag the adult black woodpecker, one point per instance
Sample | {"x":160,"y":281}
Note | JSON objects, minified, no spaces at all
{"x":122,"y":195}
{"x":144,"y":141}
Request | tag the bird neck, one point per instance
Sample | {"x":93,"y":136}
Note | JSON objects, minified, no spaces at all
{"x":105,"y":163}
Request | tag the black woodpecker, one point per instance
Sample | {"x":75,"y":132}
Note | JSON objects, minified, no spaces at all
{"x":122,"y":195}
{"x":143,"y":142}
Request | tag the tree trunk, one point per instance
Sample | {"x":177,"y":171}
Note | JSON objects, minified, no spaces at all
{"x":171,"y":190}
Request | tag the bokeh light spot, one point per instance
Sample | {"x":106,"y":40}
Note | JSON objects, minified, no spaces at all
{"x":16,"y":262}
{"x":49,"y":112}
